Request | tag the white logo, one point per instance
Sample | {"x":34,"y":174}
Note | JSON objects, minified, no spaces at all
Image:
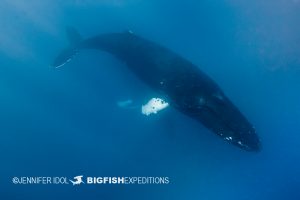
{"x":89,"y":180}
{"x":77,"y":180}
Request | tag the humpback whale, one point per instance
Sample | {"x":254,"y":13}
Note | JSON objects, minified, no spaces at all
{"x":183,"y":85}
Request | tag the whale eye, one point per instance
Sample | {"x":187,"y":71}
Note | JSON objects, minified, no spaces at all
{"x":202,"y":101}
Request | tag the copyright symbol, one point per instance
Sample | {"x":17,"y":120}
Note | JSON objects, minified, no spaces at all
{"x":15,"y":180}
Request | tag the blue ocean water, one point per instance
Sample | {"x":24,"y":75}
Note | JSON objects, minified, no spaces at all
{"x":65,"y":122}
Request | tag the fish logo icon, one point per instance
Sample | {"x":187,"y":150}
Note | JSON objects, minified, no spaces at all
{"x":77,"y":180}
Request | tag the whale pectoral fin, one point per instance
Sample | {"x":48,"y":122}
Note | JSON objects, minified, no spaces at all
{"x":154,"y":105}
{"x":127,"y":104}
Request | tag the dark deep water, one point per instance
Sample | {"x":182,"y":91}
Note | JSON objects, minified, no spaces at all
{"x":66,"y":122}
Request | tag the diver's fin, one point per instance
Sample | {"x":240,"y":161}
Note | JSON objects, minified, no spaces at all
{"x":67,"y":54}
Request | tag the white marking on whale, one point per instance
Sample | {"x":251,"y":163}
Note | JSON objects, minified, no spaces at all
{"x":153,"y":106}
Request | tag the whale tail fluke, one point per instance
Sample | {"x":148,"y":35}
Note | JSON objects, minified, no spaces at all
{"x":73,"y":36}
{"x":67,"y":54}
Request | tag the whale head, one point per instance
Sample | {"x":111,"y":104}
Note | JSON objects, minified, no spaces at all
{"x":220,"y":115}
{"x":217,"y":113}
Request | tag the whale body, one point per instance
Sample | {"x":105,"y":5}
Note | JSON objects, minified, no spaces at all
{"x":183,"y":85}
